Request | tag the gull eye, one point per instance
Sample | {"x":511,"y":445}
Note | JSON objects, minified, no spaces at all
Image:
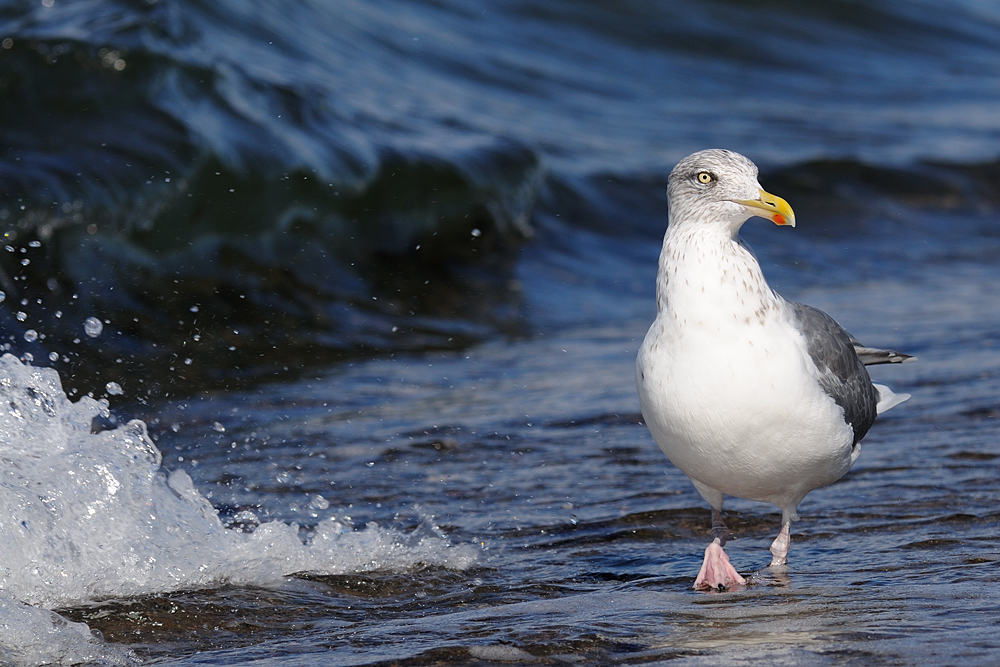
{"x":704,"y":177}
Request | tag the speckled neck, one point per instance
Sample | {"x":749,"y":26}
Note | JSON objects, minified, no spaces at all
{"x":706,"y":276}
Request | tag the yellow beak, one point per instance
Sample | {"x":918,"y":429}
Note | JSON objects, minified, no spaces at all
{"x":773,"y":208}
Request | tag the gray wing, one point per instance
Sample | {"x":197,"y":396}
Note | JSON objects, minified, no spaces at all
{"x":842,"y":372}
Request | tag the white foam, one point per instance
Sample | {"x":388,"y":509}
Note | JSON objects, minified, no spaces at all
{"x":86,"y":516}
{"x":34,"y":636}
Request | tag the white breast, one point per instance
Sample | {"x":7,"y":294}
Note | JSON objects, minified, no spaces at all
{"x":727,"y":387}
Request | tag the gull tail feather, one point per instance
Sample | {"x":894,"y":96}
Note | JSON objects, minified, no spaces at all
{"x":887,"y":399}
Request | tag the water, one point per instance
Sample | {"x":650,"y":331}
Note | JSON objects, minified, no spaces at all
{"x":355,"y":290}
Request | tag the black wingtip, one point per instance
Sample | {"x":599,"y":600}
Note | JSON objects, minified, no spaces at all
{"x":871,"y":356}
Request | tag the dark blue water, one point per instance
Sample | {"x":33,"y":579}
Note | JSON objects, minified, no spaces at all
{"x":387,"y":264}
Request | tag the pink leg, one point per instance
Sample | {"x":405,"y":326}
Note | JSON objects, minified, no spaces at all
{"x":779,"y":548}
{"x":720,"y":530}
{"x":716,"y":572}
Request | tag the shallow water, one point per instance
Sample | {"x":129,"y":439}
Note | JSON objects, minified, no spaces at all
{"x":584,"y":540}
{"x":588,"y":539}
{"x":373,"y":276}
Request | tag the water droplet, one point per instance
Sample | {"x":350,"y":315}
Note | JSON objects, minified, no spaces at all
{"x":53,"y":356}
{"x":318,"y":502}
{"x":93,"y":327}
{"x":21,"y":316}
{"x":219,"y":427}
{"x":3,"y":297}
{"x":114,"y":388}
{"x":31,"y":335}
{"x":476,"y":233}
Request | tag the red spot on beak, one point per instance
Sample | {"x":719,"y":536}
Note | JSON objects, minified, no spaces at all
{"x":779,"y":219}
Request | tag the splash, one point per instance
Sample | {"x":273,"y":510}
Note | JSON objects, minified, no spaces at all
{"x":87,"y":516}
{"x":33,"y":636}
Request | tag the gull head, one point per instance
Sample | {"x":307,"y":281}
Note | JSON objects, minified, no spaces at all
{"x":720,"y":187}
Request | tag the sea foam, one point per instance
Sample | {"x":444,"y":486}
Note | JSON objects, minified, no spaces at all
{"x":86,"y":516}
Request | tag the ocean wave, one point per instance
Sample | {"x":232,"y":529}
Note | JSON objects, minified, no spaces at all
{"x":240,"y":190}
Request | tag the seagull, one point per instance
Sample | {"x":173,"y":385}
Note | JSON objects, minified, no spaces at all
{"x":750,"y":395}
